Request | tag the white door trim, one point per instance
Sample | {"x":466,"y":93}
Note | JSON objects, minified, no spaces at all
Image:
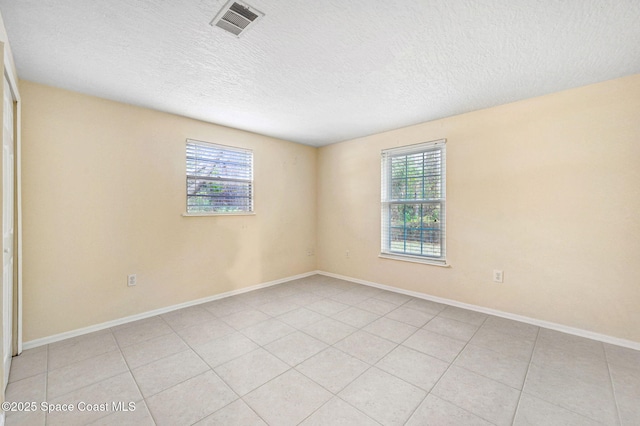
{"x":10,"y":73}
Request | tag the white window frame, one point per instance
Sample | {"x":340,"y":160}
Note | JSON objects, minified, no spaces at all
{"x":243,"y":177}
{"x":387,"y":203}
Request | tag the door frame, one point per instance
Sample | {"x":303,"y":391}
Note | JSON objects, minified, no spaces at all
{"x":9,"y":71}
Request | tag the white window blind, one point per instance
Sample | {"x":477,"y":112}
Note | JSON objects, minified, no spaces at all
{"x":219,"y":178}
{"x":413,"y":202}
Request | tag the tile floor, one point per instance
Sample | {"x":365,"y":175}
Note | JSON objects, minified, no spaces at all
{"x":321,"y":351}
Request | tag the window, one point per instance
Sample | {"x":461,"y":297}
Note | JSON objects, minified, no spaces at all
{"x":219,"y":179}
{"x":413,"y":202}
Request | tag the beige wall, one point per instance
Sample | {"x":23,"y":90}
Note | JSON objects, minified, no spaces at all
{"x":547,"y":189}
{"x":103,"y":195}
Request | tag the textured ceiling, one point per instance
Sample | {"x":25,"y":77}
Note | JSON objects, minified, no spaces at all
{"x":319,"y":72}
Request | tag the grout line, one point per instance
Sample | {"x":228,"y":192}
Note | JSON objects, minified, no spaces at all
{"x":526,"y":375}
{"x":133,"y":377}
{"x":335,"y":298}
{"x":490,"y":311}
{"x":613,"y":387}
{"x":212,"y":369}
{"x":447,"y":370}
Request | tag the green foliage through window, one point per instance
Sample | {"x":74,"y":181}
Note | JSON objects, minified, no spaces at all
{"x":413,"y":201}
{"x":219,"y":178}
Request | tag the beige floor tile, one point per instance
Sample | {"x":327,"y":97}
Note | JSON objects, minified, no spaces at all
{"x":506,"y":344}
{"x":336,"y":412}
{"x":267,"y":331}
{"x":356,"y":317}
{"x":392,"y":297}
{"x":295,"y":348}
{"x":257,"y":297}
{"x":626,"y":386}
{"x":287,"y":399}
{"x":329,"y":330}
{"x":534,"y":412}
{"x":512,"y":328}
{"x":390,"y":329}
{"x":410,"y":316}
{"x":463,"y":315}
{"x":584,"y":364}
{"x":623,"y":357}
{"x":451,"y":328}
{"x":486,"y":398}
{"x":235,"y":414}
{"x":224,"y":307}
{"x":383,"y":397}
{"x":138,"y":417}
{"x":494,"y":365}
{"x":139,"y":331}
{"x":437,"y":412}
{"x":300,"y":318}
{"x":251,"y":370}
{"x":28,"y":364}
{"x":377,"y":306}
{"x":414,"y":367}
{"x":303,"y":298}
{"x":84,"y":373}
{"x":352,"y":297}
{"x":568,"y":391}
{"x":203,"y":333}
{"x":332,"y":369}
{"x":434,"y":344}
{"x":186,"y":317}
{"x":226,"y":348}
{"x":570,"y":344}
{"x":245,"y":319}
{"x":32,"y":389}
{"x":425,"y":306}
{"x":327,"y":307}
{"x":293,"y":377}
{"x":286,"y":289}
{"x":366,"y":347}
{"x":152,"y":350}
{"x":167,"y":372}
{"x":121,"y":388}
{"x":328,"y":290}
{"x":190,"y":401}
{"x":277,"y":307}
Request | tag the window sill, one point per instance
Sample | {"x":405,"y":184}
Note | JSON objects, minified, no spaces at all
{"x":218,"y":214}
{"x":415,"y":259}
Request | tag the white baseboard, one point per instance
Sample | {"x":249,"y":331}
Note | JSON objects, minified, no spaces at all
{"x":97,"y":327}
{"x":540,"y":323}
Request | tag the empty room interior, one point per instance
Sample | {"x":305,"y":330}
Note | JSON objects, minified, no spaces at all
{"x":320,"y":213}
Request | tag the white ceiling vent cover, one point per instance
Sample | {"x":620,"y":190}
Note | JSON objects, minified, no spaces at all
{"x":236,"y":17}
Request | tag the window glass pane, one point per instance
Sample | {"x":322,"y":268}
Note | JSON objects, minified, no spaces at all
{"x":219,"y":178}
{"x":431,"y":230}
{"x":413,"y":200}
{"x":415,"y":229}
{"x":396,"y":215}
{"x":414,"y":188}
{"x":415,"y":164}
{"x":396,"y":240}
{"x":398,"y":188}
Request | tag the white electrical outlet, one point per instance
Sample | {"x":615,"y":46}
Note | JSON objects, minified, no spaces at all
{"x":498,"y":276}
{"x":132,"y":280}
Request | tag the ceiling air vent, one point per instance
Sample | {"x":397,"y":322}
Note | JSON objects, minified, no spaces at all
{"x":236,"y":17}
